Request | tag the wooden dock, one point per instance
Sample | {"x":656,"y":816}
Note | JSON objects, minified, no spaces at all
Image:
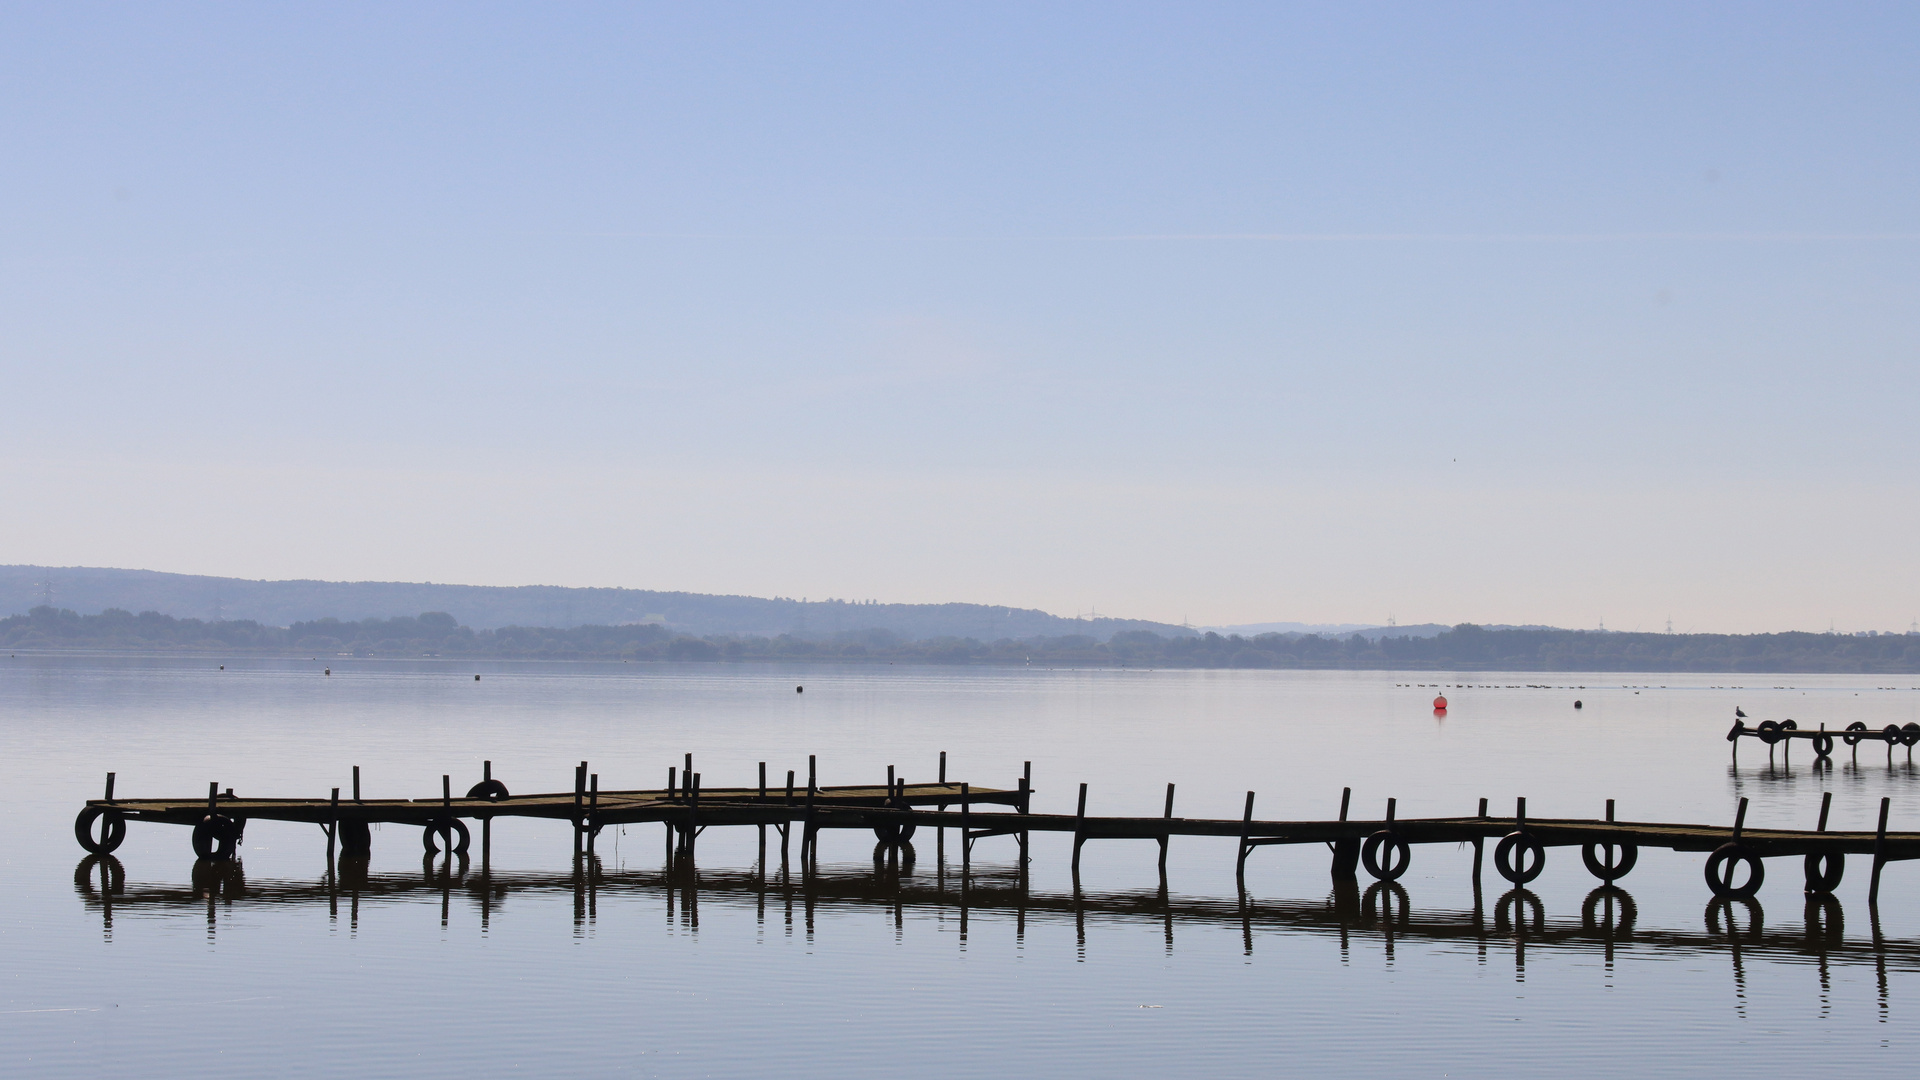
{"x":895,"y":810}
{"x":1781,"y":733}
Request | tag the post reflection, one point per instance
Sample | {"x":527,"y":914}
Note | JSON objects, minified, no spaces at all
{"x":1382,"y":915}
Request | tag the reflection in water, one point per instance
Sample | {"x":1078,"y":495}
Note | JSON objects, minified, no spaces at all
{"x":1869,"y":778}
{"x":1383,"y":912}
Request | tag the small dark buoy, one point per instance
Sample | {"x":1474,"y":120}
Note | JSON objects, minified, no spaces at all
{"x":223,"y":667}
{"x":1577,"y":704}
{"x":329,"y":671}
{"x":476,"y":678}
{"x":799,"y":689}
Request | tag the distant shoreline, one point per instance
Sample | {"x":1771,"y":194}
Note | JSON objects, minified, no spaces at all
{"x":1465,"y":648}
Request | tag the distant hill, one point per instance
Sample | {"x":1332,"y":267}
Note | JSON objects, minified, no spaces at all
{"x":483,"y":607}
{"x":1462,"y":648}
{"x":1346,"y":630}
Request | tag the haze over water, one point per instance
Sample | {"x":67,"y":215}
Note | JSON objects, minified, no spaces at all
{"x":431,"y":973}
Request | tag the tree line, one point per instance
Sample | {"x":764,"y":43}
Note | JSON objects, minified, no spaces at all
{"x":1464,"y":648}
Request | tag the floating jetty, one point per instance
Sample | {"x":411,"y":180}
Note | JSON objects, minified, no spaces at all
{"x":1781,"y":733}
{"x":894,"y":811}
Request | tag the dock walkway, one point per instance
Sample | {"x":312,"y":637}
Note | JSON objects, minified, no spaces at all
{"x":896,"y":810}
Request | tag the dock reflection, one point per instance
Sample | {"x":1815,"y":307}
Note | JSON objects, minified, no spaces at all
{"x":1382,"y":912}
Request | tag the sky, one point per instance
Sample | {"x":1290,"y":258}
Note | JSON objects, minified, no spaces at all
{"x":1229,"y":313}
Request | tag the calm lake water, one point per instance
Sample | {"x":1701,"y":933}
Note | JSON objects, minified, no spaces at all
{"x":423,"y":971}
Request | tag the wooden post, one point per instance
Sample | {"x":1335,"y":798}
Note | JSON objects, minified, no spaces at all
{"x":356,"y":783}
{"x":1826,"y":803}
{"x":1479,"y":849}
{"x":1346,"y":850}
{"x":1079,"y":829}
{"x":966,"y":831}
{"x":446,"y":792}
{"x":1879,"y":856}
{"x":688,"y":771}
{"x":673,"y":781}
{"x":789,"y":787}
{"x":943,"y":766}
{"x":889,"y":781}
{"x":333,"y":824}
{"x":109,"y":787}
{"x":213,"y":796}
{"x":763,"y":780}
{"x":1740,"y":819}
{"x":486,"y":770}
{"x":813,"y":772}
{"x":807,"y":837}
{"x":1025,"y":795}
{"x":1246,"y":826}
{"x":1520,"y":813}
{"x":1609,"y":811}
{"x":593,"y":809}
{"x":579,"y":797}
{"x":1392,"y":806}
{"x":1168,"y":836}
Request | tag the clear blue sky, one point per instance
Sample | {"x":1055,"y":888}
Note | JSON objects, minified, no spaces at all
{"x":1504,"y":313}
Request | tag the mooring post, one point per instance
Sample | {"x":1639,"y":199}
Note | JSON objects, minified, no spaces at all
{"x":889,"y":781}
{"x":1079,"y":829}
{"x":1166,"y":836}
{"x":966,"y":830}
{"x":1246,"y":826}
{"x":1609,"y":811}
{"x":1520,"y":814}
{"x":333,"y":824}
{"x":673,"y":781}
{"x":446,"y":792}
{"x":109,"y":787}
{"x":1739,"y":819}
{"x":1026,"y":801}
{"x":1879,"y":856}
{"x":356,"y":783}
{"x":943,"y":766}
{"x":693,"y":814}
{"x":807,"y":838}
{"x":763,"y":825}
{"x":688,"y":771}
{"x":1479,"y":848}
{"x":1826,"y":803}
{"x":213,"y":796}
{"x":579,"y":797}
{"x":593,"y":809}
{"x":1346,"y":849}
{"x":789,"y":787}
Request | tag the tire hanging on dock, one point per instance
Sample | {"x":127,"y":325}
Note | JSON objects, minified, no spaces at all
{"x":113,"y":829}
{"x":1720,"y":870}
{"x":216,"y":837}
{"x":457,"y":835}
{"x":1399,"y":855}
{"x":1519,"y":857}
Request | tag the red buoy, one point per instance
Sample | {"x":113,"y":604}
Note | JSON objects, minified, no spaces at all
{"x":1440,"y":703}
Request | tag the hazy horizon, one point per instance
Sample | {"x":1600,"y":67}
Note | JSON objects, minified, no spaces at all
{"x":25,"y":597}
{"x":1489,"y":313}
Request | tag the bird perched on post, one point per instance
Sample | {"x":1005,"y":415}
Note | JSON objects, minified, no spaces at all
{"x":1737,"y":711}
